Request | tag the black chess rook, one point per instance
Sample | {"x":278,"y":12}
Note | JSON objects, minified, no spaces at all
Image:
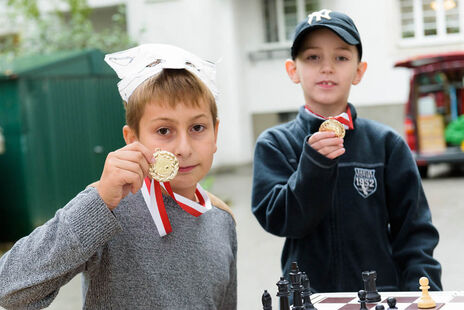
{"x":369,"y":277}
{"x":297,"y":288}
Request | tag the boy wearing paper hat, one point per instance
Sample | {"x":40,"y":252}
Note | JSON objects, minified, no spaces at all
{"x":141,"y":243}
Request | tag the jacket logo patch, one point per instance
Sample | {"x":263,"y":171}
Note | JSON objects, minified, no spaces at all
{"x":364,"y":181}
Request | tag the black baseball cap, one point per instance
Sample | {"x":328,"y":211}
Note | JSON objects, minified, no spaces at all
{"x":339,"y":23}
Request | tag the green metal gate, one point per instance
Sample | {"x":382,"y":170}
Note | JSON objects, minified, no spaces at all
{"x":61,"y":114}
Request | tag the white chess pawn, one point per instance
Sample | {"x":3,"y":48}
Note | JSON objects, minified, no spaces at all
{"x":425,"y":302}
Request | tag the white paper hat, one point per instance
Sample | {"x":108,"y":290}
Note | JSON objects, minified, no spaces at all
{"x":136,"y":65}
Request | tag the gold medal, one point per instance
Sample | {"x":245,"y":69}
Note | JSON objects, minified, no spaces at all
{"x":333,"y":125}
{"x":165,"y":167}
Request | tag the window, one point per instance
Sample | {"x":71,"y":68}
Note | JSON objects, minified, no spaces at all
{"x":431,"y":19}
{"x":282,"y":16}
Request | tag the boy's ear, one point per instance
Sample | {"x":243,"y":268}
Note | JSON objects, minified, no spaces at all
{"x":362,"y":66}
{"x":129,"y":134}
{"x":290,"y":66}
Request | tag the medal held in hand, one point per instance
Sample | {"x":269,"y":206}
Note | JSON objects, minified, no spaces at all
{"x":165,"y":167}
{"x":333,"y":125}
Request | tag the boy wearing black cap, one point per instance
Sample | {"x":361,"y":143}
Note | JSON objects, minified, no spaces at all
{"x":345,"y":205}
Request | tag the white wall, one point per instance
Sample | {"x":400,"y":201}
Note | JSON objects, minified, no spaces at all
{"x":382,"y":83}
{"x":232,"y":30}
{"x":207,"y":29}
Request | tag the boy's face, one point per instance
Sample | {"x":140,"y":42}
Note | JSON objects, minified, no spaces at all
{"x":326,"y":67}
{"x":186,"y":131}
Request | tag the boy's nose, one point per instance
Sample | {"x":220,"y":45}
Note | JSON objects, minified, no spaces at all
{"x":183,"y":146}
{"x":327,"y":66}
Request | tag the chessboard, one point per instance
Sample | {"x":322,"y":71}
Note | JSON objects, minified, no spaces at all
{"x":446,"y":300}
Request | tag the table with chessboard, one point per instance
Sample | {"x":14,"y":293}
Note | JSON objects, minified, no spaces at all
{"x":446,"y":300}
{"x":369,"y":298}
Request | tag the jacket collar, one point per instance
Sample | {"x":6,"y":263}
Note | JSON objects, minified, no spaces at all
{"x":311,"y":123}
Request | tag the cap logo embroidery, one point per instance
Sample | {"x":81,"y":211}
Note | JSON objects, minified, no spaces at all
{"x":319,"y":15}
{"x":364,"y":181}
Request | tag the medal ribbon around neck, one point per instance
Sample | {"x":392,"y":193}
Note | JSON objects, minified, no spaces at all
{"x":152,"y":193}
{"x":164,"y":170}
{"x":344,"y":118}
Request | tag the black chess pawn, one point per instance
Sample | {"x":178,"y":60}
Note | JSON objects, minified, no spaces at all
{"x":283,"y":293}
{"x":267,"y":301}
{"x":370,"y":287}
{"x":362,"y":299}
{"x":391,"y":301}
{"x":306,"y":293}
{"x":379,"y":307}
{"x":295,"y":280}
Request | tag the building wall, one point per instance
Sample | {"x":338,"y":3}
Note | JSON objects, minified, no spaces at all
{"x":255,"y":89}
{"x":208,"y":29}
{"x":384,"y":89}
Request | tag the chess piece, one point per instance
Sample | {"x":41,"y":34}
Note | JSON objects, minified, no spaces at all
{"x":391,"y":301}
{"x":295,"y":280}
{"x":283,"y":293}
{"x":362,"y":299}
{"x":267,"y":301}
{"x":425,"y":301}
{"x":369,"y":278}
{"x":379,"y":307}
{"x":308,"y":305}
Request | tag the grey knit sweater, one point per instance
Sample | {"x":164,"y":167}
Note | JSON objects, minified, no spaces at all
{"x":124,"y":261}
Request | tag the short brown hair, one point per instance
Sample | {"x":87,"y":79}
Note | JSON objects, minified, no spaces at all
{"x":169,"y":87}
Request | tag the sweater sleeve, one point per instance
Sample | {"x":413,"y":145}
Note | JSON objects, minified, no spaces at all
{"x":290,"y":196}
{"x":35,"y":268}
{"x":413,"y":235}
{"x":230,"y":297}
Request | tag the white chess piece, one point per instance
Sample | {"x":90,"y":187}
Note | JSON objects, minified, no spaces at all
{"x":425,"y":302}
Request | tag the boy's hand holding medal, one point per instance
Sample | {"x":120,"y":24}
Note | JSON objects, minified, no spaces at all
{"x":124,"y":172}
{"x":328,"y":141}
{"x":126,"y":168}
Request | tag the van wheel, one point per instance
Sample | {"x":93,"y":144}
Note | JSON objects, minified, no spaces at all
{"x":423,"y":169}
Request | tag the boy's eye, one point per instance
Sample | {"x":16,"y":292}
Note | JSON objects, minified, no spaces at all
{"x":198,"y":128}
{"x":163,"y":131}
{"x":312,"y":57}
{"x":342,"y":58}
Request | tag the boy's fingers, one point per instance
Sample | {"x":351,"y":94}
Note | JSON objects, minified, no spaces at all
{"x":336,"y":153}
{"x":134,"y":157}
{"x":132,"y":179}
{"x":130,"y":166}
{"x":317,"y":136}
{"x":327,"y":143}
{"x":137,"y":146}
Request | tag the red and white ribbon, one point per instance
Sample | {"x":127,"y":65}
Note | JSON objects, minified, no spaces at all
{"x":344,"y":118}
{"x":153,"y":196}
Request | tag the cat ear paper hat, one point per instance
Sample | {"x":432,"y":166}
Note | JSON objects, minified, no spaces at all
{"x":136,"y":65}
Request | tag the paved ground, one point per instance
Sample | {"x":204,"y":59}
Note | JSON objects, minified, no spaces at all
{"x":259,"y":252}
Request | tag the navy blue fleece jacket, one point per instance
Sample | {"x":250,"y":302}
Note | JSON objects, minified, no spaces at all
{"x":365,"y":210}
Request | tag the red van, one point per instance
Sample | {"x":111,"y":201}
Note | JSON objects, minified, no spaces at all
{"x":436,"y":101}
